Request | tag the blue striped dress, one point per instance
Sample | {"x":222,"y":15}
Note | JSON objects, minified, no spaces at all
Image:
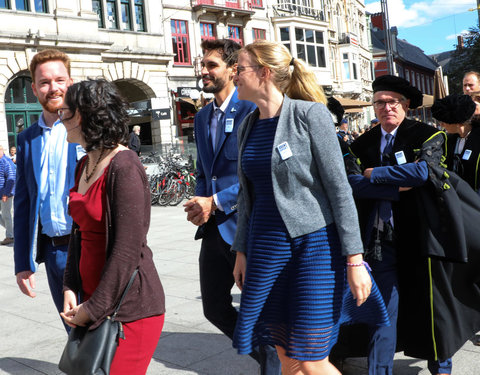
{"x":295,"y":293}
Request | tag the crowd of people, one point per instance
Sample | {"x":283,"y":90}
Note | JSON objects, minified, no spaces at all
{"x":342,"y":245}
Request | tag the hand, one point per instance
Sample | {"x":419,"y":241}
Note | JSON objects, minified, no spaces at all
{"x":4,"y":198}
{"x":240,"y":269}
{"x":199,"y":209}
{"x":368,"y":173}
{"x":69,"y":300}
{"x":76,"y":316}
{"x":359,"y":279}
{"x":22,"y":278}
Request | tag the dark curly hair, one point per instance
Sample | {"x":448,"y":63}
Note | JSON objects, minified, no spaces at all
{"x":225,"y":47}
{"x":103,"y":111}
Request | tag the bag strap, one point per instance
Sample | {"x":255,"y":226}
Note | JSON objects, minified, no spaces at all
{"x":130,"y":282}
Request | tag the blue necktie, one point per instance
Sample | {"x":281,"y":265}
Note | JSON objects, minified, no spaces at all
{"x":385,"y":207}
{"x":214,"y":125}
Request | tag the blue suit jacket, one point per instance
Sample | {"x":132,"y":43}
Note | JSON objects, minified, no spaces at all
{"x":217,"y":170}
{"x":27,"y":197}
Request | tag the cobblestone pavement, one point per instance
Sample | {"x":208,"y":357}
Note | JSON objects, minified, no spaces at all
{"x":33,"y":336}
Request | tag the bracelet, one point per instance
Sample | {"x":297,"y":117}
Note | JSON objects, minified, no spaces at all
{"x":360,"y":264}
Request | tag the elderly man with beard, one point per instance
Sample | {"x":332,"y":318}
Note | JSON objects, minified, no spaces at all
{"x":45,"y":174}
{"x":213,"y":208}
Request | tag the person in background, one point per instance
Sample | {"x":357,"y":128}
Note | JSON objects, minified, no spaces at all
{"x":214,"y":207}
{"x":13,"y":154}
{"x":7,"y":191}
{"x":45,"y":173}
{"x":297,"y":241}
{"x":471,"y":82}
{"x":374,"y":122}
{"x":110,"y":204}
{"x":134,"y":143}
{"x":344,"y":132}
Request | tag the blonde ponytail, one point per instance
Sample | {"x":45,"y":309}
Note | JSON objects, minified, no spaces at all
{"x":291,"y":76}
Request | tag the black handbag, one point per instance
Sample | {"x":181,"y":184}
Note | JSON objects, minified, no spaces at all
{"x":91,"y":352}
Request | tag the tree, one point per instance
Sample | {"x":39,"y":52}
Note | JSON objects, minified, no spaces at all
{"x":464,"y":60}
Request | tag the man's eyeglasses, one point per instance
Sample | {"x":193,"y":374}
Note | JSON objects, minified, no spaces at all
{"x":61,"y":113}
{"x":381,"y":104}
{"x":241,"y":69}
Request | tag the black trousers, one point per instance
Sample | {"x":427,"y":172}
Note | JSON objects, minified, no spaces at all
{"x":216,"y":279}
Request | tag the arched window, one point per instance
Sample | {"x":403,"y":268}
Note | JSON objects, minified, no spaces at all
{"x":21,"y":107}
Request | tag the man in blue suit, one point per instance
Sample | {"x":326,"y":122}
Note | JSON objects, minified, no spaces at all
{"x":45,"y":174}
{"x":213,"y":208}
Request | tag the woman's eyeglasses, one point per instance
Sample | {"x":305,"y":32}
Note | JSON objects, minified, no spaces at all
{"x":241,"y":69}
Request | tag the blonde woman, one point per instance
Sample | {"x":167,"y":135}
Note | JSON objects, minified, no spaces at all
{"x":298,"y":239}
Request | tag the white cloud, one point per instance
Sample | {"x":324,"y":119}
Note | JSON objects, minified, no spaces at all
{"x":419,"y":13}
{"x":454,"y":36}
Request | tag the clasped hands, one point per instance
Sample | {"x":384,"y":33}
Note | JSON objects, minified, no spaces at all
{"x":74,"y":315}
{"x":199,"y":209}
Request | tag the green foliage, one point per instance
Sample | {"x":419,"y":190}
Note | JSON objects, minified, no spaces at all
{"x":464,"y":60}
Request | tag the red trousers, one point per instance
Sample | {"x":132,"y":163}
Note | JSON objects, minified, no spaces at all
{"x":134,"y":354}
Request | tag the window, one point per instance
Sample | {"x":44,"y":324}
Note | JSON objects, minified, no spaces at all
{"x":259,"y":34}
{"x":418,"y":82}
{"x":125,"y":12}
{"x":207,"y":30}
{"x":407,"y":75}
{"x":346,"y":66}
{"x":21,"y":106}
{"x":97,"y":7}
{"x":4,"y":4}
{"x":235,"y":34}
{"x":22,"y":4}
{"x":139,"y":15}
{"x":310,"y":47}
{"x":112,"y":14}
{"x":285,"y":37}
{"x":41,"y":6}
{"x":257,"y":4}
{"x":180,"y":41}
{"x":413,"y":79}
{"x":354,"y":66}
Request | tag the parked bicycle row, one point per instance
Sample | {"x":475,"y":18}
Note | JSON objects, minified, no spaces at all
{"x":171,"y":178}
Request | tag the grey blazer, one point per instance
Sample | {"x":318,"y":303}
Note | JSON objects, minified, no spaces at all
{"x":310,"y":187}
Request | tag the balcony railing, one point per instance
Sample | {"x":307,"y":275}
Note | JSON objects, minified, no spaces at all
{"x":240,"y":4}
{"x":301,"y":10}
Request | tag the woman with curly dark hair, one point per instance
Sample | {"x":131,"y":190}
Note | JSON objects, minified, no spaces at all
{"x":110,"y":205}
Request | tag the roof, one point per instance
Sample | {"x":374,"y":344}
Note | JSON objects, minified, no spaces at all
{"x":406,"y":51}
{"x":443,"y":59}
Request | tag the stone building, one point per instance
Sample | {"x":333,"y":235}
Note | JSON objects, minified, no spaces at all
{"x":151,"y":50}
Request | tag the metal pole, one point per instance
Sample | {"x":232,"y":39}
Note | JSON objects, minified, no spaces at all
{"x":388,"y":38}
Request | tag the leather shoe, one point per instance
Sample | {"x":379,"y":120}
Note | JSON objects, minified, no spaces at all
{"x":7,"y":241}
{"x":476,"y":340}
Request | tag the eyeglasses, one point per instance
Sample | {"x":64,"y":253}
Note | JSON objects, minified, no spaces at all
{"x":241,"y":69}
{"x":61,"y":113}
{"x":381,"y":104}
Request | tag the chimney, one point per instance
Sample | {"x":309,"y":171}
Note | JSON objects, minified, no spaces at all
{"x":459,"y":41}
{"x":377,"y":21}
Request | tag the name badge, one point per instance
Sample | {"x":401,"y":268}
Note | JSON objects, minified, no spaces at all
{"x":284,"y":150}
{"x":467,"y":154}
{"x":229,"y":125}
{"x":400,"y":156}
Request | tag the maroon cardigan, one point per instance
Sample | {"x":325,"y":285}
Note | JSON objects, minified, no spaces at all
{"x":127,"y":210}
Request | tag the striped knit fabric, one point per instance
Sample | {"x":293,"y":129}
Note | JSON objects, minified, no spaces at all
{"x":294,"y":288}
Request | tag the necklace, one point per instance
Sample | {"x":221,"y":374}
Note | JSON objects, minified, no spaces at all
{"x":89,"y":176}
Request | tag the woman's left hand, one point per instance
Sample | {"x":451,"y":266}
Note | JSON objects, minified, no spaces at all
{"x":76,"y":317}
{"x":359,"y":280}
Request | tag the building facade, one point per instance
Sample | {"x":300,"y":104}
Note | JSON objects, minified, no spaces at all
{"x":151,"y":51}
{"x":121,"y":40}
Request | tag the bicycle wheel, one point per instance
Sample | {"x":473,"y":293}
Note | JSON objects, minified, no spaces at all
{"x":179,"y":194}
{"x":169,"y":193}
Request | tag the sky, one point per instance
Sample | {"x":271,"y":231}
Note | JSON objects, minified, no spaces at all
{"x":432,"y":25}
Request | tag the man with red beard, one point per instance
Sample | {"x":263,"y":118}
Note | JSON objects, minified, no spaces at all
{"x":45,"y":174}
